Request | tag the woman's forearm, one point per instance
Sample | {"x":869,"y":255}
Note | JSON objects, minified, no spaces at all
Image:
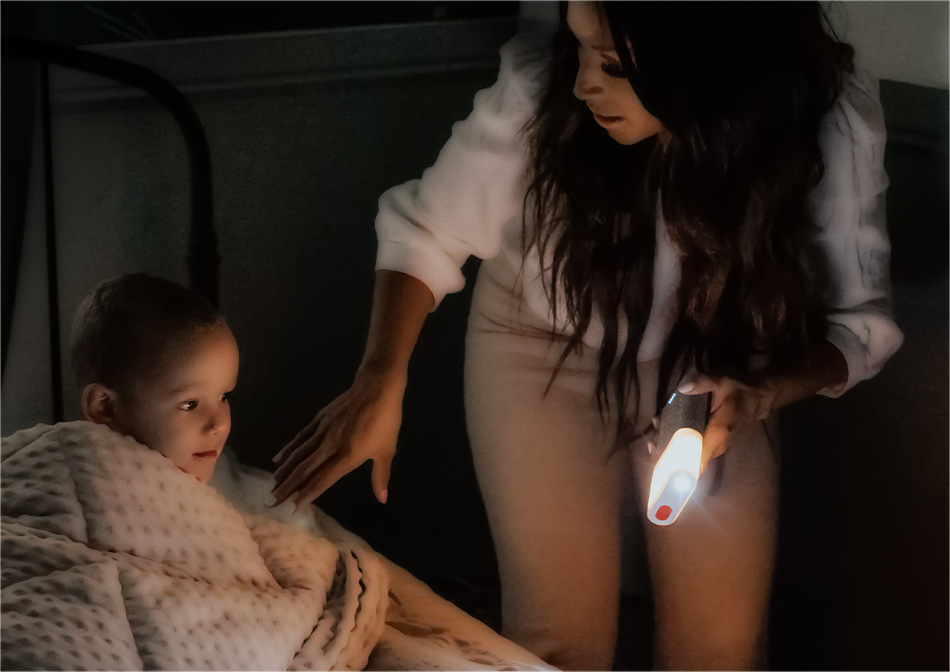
{"x":400,"y":306}
{"x":828,"y":369}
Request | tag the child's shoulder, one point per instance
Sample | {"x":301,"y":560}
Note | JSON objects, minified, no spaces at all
{"x":64,"y":434}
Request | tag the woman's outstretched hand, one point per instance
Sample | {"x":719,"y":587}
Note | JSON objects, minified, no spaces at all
{"x":361,"y":424}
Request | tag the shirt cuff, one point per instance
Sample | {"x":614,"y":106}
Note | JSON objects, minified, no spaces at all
{"x":865,"y":357}
{"x":440,"y":277}
{"x":853,"y":352}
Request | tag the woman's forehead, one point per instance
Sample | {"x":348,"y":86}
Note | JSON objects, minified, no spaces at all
{"x":588,"y":23}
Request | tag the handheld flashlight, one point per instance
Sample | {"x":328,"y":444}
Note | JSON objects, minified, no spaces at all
{"x":682,"y":423}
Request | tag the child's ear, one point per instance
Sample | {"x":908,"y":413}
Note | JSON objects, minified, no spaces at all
{"x":98,"y":404}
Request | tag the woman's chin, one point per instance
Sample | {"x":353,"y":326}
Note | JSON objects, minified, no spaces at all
{"x":627,"y":136}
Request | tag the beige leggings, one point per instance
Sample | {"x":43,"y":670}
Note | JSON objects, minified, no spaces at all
{"x":552,"y":489}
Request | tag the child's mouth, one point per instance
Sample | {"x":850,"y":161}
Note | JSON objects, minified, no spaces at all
{"x":206,"y":454}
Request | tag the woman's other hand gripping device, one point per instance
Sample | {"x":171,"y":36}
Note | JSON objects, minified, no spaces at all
{"x":682,"y":424}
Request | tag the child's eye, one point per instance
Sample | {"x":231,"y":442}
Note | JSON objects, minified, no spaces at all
{"x":613,"y":69}
{"x":189,"y":405}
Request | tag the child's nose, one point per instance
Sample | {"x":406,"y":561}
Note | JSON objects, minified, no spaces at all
{"x":219,"y":421}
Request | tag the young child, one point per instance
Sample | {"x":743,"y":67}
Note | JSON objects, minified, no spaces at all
{"x":157,"y":362}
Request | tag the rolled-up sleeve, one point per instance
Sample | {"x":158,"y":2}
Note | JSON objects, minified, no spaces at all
{"x":428,"y":227}
{"x":849,"y":207}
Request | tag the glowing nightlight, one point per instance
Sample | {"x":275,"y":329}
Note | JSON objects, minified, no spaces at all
{"x":682,"y":424}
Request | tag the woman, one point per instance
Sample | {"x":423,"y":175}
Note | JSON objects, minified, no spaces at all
{"x":682,"y":195}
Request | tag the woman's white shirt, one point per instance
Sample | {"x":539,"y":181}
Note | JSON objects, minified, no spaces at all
{"x":471,"y":202}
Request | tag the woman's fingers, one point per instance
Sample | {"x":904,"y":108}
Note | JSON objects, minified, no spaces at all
{"x":301,"y":465}
{"x":755,"y":404}
{"x":696,"y":383}
{"x":301,"y":436}
{"x":300,"y":477}
{"x":721,"y":424}
{"x":381,"y":469}
{"x":314,"y":445}
{"x":291,"y":480}
{"x":294,"y":442}
{"x":361,"y":424}
{"x":739,"y":406}
{"x":732,"y":404}
{"x":332,"y":471}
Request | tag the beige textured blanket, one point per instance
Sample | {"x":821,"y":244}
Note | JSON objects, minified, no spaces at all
{"x":112,"y":558}
{"x":423,"y":631}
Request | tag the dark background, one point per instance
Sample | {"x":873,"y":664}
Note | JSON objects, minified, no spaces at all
{"x":862,"y":574}
{"x":85,"y":23}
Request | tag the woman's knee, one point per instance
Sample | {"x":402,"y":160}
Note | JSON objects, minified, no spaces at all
{"x":723,"y":645}
{"x":568,"y":650}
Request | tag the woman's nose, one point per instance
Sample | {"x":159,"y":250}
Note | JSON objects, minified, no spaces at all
{"x":587,"y":83}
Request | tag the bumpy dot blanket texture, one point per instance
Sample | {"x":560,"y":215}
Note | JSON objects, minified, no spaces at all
{"x":113,"y":559}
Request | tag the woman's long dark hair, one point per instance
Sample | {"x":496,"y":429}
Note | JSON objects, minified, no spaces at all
{"x":741,"y":88}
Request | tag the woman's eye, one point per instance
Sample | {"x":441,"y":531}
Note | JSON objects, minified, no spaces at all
{"x":613,"y":69}
{"x":189,"y":405}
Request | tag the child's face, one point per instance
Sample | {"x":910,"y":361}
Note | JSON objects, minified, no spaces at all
{"x":184,"y":414}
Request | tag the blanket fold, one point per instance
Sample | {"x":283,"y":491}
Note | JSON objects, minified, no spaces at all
{"x":112,"y":558}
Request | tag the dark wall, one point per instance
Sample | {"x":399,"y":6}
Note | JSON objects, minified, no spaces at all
{"x":85,"y":23}
{"x":862,"y":579}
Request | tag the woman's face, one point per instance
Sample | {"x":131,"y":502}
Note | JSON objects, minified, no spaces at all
{"x":601,"y":82}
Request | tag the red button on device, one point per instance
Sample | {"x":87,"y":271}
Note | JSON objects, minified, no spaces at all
{"x":663,"y":512}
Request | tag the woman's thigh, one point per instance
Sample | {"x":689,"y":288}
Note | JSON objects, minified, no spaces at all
{"x":711,"y":570}
{"x":550,"y":482}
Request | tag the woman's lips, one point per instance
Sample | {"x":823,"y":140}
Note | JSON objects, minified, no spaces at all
{"x":206,"y":454}
{"x":606,"y":121}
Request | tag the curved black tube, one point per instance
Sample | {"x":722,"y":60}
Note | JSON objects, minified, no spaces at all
{"x":203,"y":258}
{"x":52,"y":264}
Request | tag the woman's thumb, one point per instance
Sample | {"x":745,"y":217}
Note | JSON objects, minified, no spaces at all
{"x":380,"y":477}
